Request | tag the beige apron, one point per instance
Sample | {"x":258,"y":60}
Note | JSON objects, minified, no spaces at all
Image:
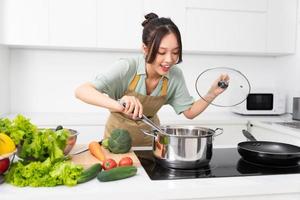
{"x":151,"y":105}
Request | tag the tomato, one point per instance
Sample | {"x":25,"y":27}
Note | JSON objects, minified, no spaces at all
{"x":126,"y":161}
{"x":109,"y":164}
{"x":4,"y":164}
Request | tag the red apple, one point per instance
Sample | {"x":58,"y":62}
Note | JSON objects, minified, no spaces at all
{"x":4,"y":164}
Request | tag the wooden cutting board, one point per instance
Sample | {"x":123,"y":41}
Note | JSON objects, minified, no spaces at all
{"x":86,"y":159}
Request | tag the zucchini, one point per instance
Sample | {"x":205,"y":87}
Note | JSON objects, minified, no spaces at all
{"x":89,"y":173}
{"x":117,"y":173}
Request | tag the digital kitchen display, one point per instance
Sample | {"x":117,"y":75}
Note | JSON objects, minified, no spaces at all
{"x":225,"y":162}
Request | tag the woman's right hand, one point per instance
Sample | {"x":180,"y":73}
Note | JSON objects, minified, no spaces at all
{"x":132,"y":107}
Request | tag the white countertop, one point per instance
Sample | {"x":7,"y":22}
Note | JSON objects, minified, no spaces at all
{"x":273,"y":187}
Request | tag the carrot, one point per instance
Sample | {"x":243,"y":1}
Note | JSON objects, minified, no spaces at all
{"x":95,"y":150}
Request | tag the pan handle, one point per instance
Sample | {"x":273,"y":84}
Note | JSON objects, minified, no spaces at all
{"x":248,"y":135}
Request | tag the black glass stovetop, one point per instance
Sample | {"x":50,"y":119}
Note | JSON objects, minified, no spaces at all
{"x":225,"y":162}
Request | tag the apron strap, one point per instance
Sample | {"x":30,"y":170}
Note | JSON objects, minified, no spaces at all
{"x":136,"y":79}
{"x":133,"y":83}
{"x":164,"y":87}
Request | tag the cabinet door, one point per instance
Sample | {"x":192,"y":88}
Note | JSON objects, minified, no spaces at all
{"x":119,"y":24}
{"x":72,"y":23}
{"x":25,"y":22}
{"x":231,"y":27}
{"x":282,"y":26}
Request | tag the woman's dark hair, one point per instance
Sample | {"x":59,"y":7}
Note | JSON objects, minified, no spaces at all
{"x":155,"y":28}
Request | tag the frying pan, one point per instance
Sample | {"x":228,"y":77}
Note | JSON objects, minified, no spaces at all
{"x":268,"y":153}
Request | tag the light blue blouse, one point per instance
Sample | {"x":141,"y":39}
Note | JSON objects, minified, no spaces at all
{"x":115,"y":81}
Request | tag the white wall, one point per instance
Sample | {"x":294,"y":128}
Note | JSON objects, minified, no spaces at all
{"x":4,"y":80}
{"x":45,"y":80}
{"x":291,"y":64}
{"x":1,"y":21}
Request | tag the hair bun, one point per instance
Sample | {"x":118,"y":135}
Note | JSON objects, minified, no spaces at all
{"x":149,"y":17}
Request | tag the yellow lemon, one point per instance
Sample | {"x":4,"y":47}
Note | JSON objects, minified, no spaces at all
{"x":6,"y":144}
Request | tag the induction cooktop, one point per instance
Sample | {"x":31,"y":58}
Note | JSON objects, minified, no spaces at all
{"x":225,"y":162}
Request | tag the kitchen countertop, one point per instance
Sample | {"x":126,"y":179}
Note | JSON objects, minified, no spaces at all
{"x":273,"y":187}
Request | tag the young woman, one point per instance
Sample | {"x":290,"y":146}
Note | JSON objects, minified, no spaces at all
{"x":145,"y":83}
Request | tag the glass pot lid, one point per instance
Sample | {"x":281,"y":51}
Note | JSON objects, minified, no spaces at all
{"x":236,"y":91}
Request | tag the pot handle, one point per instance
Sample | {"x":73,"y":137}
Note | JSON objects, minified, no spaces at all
{"x":220,"y":130}
{"x":148,"y":133}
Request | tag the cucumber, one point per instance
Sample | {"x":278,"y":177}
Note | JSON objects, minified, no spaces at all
{"x":117,"y":173}
{"x":89,"y":173}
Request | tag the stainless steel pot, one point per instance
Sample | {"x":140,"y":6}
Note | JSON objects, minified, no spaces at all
{"x":183,"y":147}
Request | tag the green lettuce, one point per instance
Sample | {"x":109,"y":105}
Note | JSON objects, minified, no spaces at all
{"x":43,"y":174}
{"x":34,"y":143}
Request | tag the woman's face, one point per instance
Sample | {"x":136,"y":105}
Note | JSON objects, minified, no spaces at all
{"x":167,"y":55}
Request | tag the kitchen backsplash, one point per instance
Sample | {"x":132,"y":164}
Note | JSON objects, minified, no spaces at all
{"x":45,"y":80}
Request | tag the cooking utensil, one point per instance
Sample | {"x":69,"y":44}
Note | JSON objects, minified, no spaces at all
{"x":147,"y":121}
{"x":268,"y":153}
{"x":183,"y":147}
{"x":237,"y":88}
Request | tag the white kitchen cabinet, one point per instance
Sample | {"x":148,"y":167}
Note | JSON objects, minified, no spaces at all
{"x":25,"y":22}
{"x":225,"y":31}
{"x":241,"y":27}
{"x":247,"y":27}
{"x":119,"y":24}
{"x":72,"y":23}
{"x":282,"y":26}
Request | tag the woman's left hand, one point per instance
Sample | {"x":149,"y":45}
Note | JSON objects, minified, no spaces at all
{"x":215,"y":89}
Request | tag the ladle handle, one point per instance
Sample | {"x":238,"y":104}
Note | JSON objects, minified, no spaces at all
{"x":248,"y":135}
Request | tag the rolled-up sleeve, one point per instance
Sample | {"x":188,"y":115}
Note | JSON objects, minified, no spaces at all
{"x":180,"y":98}
{"x":114,"y":80}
